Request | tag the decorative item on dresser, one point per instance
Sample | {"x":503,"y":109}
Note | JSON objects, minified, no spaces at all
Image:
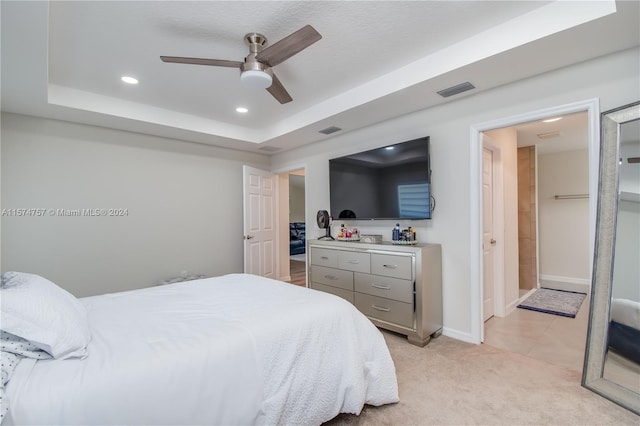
{"x":399,"y":288}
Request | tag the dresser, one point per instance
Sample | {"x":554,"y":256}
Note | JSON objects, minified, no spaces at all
{"x":399,"y":288}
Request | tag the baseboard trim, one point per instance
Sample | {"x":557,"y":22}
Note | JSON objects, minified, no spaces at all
{"x":556,"y":282}
{"x":458,"y":335}
{"x":514,"y":305}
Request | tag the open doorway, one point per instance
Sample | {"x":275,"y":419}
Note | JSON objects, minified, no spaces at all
{"x":292,"y":225}
{"x":540,"y":209}
{"x":297,"y":228}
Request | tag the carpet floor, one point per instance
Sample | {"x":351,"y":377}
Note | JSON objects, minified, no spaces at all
{"x":450,"y":382}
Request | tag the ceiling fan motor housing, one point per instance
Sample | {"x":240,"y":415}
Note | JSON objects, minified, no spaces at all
{"x":254,"y":73}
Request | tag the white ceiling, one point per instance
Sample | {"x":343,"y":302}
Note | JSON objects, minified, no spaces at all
{"x":376,"y":60}
{"x":570,"y":133}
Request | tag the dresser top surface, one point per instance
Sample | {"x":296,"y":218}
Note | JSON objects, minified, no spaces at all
{"x":385,"y":245}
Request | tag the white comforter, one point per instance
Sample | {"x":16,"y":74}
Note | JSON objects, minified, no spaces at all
{"x":237,"y":349}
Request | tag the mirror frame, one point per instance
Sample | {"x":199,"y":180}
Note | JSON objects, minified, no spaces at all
{"x":606,"y":219}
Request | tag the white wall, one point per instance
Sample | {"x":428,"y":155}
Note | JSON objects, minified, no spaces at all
{"x":613,"y":79}
{"x":563,"y":225}
{"x":184,"y":204}
{"x":630,"y":172}
{"x":626,"y":268}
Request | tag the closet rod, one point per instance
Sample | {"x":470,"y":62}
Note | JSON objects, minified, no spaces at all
{"x":571,"y":196}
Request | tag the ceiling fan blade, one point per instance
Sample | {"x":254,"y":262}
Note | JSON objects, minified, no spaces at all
{"x":289,"y":46}
{"x":278,"y":91}
{"x":199,"y":61}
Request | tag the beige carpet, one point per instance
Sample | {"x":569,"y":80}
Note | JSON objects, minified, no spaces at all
{"x":449,"y":382}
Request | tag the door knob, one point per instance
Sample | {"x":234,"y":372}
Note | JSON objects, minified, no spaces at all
{"x":493,"y":242}
{"x":248,"y":237}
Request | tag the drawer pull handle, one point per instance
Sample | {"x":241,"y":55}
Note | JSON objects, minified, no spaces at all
{"x":380,"y":308}
{"x":324,"y":257}
{"x":391,"y":266}
{"x":381,"y":287}
{"x":354,"y":262}
{"x":331,"y":277}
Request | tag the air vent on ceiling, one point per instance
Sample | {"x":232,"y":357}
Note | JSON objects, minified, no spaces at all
{"x":330,"y":130}
{"x":269,"y":148}
{"x":548,"y":135}
{"x":454,"y":90}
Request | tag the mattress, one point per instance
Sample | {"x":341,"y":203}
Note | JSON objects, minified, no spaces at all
{"x":236,"y":349}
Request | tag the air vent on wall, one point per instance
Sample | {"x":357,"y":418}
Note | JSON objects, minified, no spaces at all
{"x":269,"y":148}
{"x":548,"y":135}
{"x":454,"y":90}
{"x":330,"y":130}
{"x":633,"y":160}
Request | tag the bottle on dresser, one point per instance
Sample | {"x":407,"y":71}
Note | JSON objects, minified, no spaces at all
{"x":396,"y":233}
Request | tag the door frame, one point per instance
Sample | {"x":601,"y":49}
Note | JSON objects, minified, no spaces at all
{"x":279,"y":232}
{"x":592,"y":108}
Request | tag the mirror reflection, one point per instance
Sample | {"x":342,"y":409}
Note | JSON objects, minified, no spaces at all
{"x":622,"y":361}
{"x":612,"y":355}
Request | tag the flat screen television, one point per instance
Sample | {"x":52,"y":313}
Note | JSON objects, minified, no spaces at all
{"x":392,"y":182}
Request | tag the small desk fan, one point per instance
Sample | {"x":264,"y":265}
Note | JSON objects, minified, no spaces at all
{"x":323,"y":220}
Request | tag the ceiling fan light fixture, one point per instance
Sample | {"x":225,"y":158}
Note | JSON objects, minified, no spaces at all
{"x":257,"y":79}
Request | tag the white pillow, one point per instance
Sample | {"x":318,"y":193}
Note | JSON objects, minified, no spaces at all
{"x":39,"y":311}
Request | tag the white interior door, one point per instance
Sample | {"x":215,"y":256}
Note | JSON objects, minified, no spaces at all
{"x":259,"y":222}
{"x":488,"y":241}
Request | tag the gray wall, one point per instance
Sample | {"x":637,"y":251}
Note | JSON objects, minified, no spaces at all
{"x":612,"y":79}
{"x":183,"y":201}
{"x":296,"y":198}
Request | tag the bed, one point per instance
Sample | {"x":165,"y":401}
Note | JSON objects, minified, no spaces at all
{"x":236,"y":349}
{"x":624,"y":328}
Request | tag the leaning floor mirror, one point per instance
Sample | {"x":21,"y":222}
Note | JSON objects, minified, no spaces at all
{"x":612,"y":356}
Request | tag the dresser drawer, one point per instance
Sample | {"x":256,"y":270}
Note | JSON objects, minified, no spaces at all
{"x":389,"y":288}
{"x":345,"y":294}
{"x":324,"y":257}
{"x":385,"y":309}
{"x":391,"y":266}
{"x":354,"y":261}
{"x":332,"y":277}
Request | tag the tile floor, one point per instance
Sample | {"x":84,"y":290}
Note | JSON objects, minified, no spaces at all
{"x":551,"y":338}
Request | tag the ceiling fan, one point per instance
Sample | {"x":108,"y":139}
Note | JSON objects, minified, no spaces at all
{"x":256,"y":69}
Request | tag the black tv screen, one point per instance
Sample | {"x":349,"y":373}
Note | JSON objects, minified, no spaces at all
{"x":392,"y":182}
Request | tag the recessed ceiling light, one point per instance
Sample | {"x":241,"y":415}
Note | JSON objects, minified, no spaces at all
{"x":242,"y":110}
{"x":129,"y":80}
{"x":551,"y":120}
{"x":389,"y":148}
